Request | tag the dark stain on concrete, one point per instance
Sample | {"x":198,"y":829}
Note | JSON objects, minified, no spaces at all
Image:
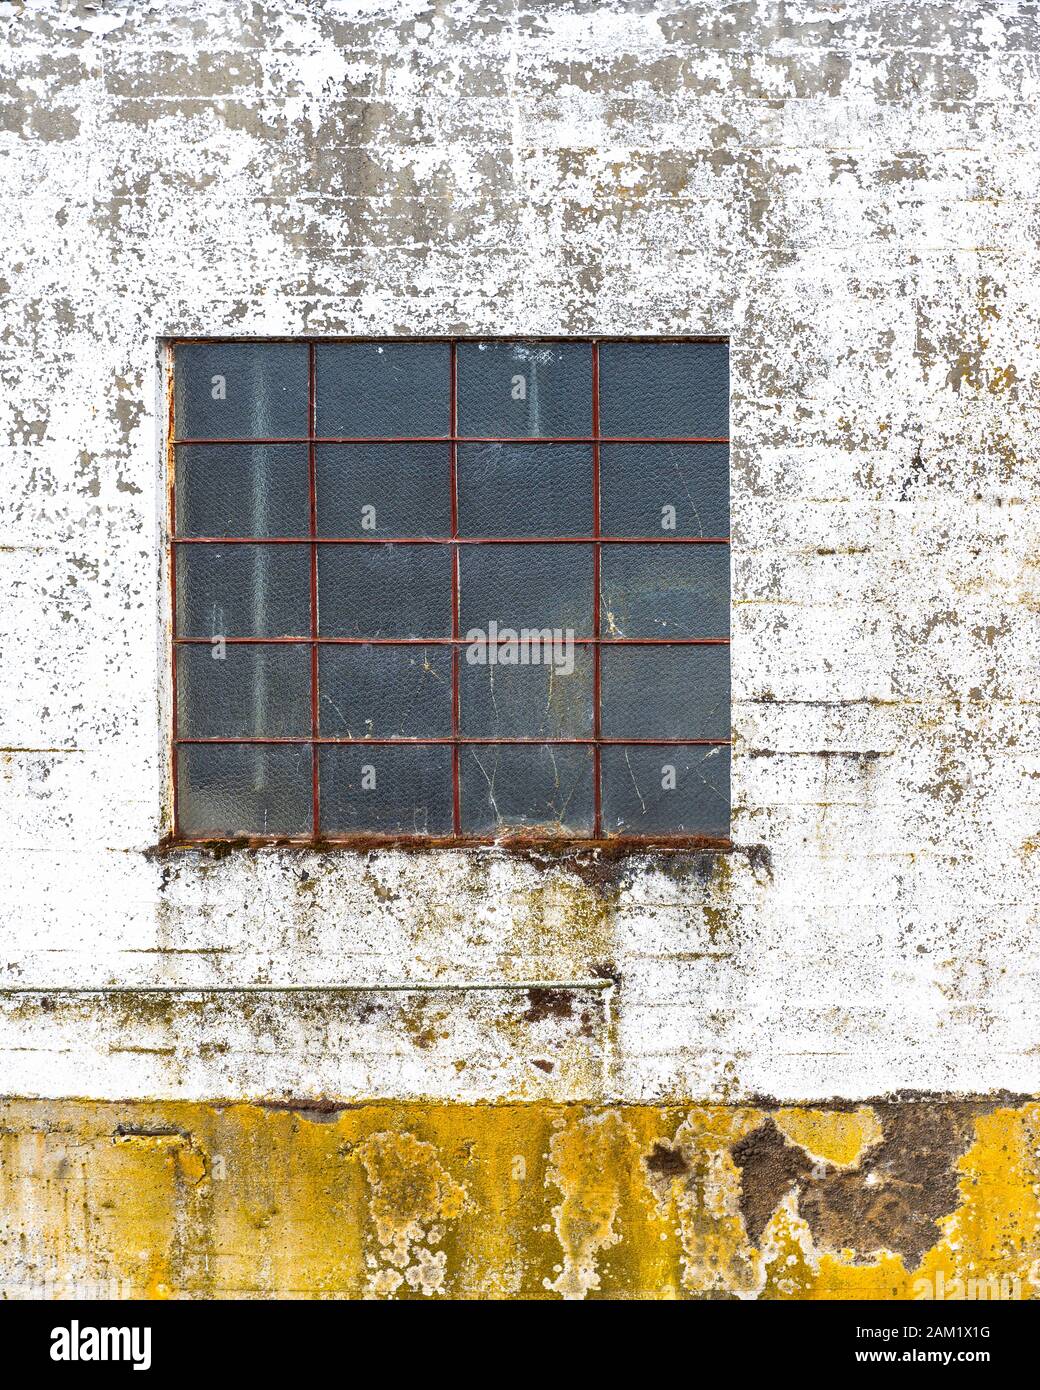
{"x":904,"y":1185}
{"x":893,"y":1200}
{"x":770,"y":1166}
{"x":548,"y":1003}
{"x":666,"y":1162}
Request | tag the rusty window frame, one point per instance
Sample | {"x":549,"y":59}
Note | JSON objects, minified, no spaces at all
{"x":521,"y":837}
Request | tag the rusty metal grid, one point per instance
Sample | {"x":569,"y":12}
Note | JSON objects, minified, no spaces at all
{"x":596,"y":640}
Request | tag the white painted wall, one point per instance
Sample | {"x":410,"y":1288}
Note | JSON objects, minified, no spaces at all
{"x":850,"y":191}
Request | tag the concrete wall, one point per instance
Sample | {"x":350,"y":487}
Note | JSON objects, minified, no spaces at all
{"x":848,"y":190}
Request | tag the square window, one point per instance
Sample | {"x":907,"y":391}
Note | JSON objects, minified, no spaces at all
{"x":665,"y":491}
{"x":546,"y":788}
{"x":526,"y":586}
{"x":538,"y":390}
{"x":690,"y":686}
{"x":664,"y":390}
{"x":377,"y":491}
{"x":257,"y":789}
{"x":525,"y":489}
{"x":371,"y":691}
{"x":241,"y":390}
{"x":551,"y":698}
{"x":384,"y":591}
{"x":447,"y":589}
{"x":243,"y":590}
{"x":665,"y":591}
{"x":666,"y":790}
{"x":243,"y":690}
{"x":242,"y":490}
{"x":386,"y":790}
{"x":382,"y":390}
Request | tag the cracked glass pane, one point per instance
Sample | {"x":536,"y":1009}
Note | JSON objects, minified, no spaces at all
{"x":242,"y":490}
{"x":665,"y":692}
{"x":386,"y":789}
{"x":549,"y":699}
{"x":664,"y":591}
{"x":384,"y":692}
{"x":661,"y":790}
{"x":664,"y":490}
{"x":525,"y":489}
{"x":510,"y":786}
{"x":377,"y":390}
{"x":244,"y":789}
{"x":243,"y":591}
{"x":533,"y":586}
{"x":373,"y":490}
{"x":384,"y":591}
{"x":506,"y":390}
{"x":241,"y":390}
{"x":235,"y":690}
{"x":664,"y":390}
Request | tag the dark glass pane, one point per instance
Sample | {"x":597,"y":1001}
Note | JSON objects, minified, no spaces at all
{"x":242,"y":490}
{"x":655,"y":390}
{"x":384,"y":692}
{"x":525,"y":489}
{"x":536,"y":389}
{"x":533,"y":586}
{"x":549,"y":698}
{"x":506,"y":787}
{"x":664,"y":591}
{"x":665,"y":692}
{"x":664,"y":490}
{"x":666,"y":791}
{"x":386,"y":790}
{"x":228,"y":690}
{"x":243,"y":590}
{"x":374,"y":390}
{"x":241,"y":390}
{"x":384,"y":590}
{"x":243,"y":789}
{"x":383,"y":489}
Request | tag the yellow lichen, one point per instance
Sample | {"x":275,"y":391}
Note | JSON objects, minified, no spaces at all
{"x":831,"y":1136}
{"x":535,"y":1200}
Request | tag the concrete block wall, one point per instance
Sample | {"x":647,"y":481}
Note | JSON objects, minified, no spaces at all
{"x":846,"y":190}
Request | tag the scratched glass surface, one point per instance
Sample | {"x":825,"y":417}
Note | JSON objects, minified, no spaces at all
{"x":384,"y":692}
{"x":384,"y":591}
{"x":376,"y":390}
{"x":507,"y":787}
{"x":662,"y":790}
{"x":664,"y":591}
{"x":241,"y":390}
{"x":242,"y":490}
{"x":244,"y":691}
{"x":506,"y":390}
{"x":664,"y":490}
{"x":243,"y":590}
{"x":389,"y":790}
{"x":244,"y":789}
{"x":525,"y":489}
{"x":373,"y":490}
{"x":543,"y":700}
{"x":526,"y":586}
{"x":664,"y":390}
{"x":665,"y":692}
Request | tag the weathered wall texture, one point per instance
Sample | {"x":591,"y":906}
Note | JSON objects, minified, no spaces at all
{"x":849,"y":190}
{"x":924,"y":1201}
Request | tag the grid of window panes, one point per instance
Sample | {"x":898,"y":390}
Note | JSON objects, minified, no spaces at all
{"x":451,"y":589}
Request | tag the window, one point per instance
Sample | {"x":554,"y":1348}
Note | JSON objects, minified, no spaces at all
{"x":450,"y":590}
